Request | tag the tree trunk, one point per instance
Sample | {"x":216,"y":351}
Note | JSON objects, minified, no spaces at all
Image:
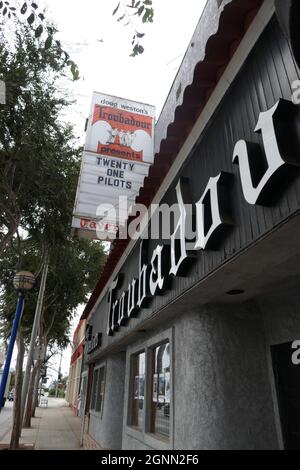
{"x":12,"y":229}
{"x":28,"y":410}
{"x":36,"y":391}
{"x":16,"y":430}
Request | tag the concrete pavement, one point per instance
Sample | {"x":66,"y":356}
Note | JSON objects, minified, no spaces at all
{"x":54,"y":428}
{"x":6,"y":420}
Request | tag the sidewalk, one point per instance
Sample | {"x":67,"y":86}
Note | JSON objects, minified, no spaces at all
{"x":6,"y":420}
{"x":53,"y":428}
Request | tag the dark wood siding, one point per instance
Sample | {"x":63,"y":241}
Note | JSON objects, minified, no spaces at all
{"x":266,"y":77}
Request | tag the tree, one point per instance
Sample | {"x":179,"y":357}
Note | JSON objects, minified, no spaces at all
{"x":34,"y":178}
{"x":74,"y":268}
{"x":35,"y":19}
{"x":39,"y":165}
{"x":61,"y":385}
{"x":125,"y":10}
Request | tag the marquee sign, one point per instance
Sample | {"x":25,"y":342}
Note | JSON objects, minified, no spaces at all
{"x":117,"y":154}
{"x":262,"y":173}
{"x":120,"y":128}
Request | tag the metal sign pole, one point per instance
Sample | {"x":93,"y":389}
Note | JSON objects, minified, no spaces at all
{"x":18,"y":315}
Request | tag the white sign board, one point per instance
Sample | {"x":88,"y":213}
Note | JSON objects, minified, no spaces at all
{"x":116,"y":159}
{"x":39,"y":353}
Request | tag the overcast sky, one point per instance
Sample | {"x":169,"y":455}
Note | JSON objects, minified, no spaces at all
{"x":101,"y":47}
{"x":107,"y":67}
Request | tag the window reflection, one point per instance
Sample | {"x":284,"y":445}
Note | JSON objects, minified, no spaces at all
{"x":160,"y":409}
{"x":139,"y":368}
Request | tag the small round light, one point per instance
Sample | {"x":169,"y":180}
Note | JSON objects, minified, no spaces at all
{"x":235,"y":292}
{"x":24,"y":280}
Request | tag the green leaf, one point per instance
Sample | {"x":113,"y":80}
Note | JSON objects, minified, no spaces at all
{"x":39,"y":31}
{"x":147,"y":2}
{"x":4,"y":11}
{"x":31,"y":19}
{"x":48,"y":42}
{"x":138,"y":49}
{"x":116,"y":9}
{"x":74,"y":71}
{"x":140,"y":35}
{"x":140,"y":10}
{"x":34,"y":5}
{"x":1,"y":5}
{"x":24,"y":9}
{"x":121,"y":18}
{"x":148,"y":16}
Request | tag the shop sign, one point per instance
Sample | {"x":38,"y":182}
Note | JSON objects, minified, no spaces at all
{"x":118,"y":152}
{"x":261,"y":175}
{"x":94,"y":343}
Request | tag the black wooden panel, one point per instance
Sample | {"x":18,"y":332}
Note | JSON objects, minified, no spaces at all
{"x":266,"y":77}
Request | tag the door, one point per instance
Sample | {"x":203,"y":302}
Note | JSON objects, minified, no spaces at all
{"x":287,"y":378}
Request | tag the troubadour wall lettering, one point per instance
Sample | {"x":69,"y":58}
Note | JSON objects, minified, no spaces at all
{"x":260,"y":170}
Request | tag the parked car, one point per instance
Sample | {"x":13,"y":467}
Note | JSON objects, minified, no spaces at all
{"x":11,"y":396}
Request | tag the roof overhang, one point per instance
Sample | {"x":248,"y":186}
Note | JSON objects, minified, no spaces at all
{"x":215,"y":42}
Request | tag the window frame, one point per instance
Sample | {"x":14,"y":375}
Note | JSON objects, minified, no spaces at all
{"x":147,"y":345}
{"x":131,"y":391}
{"x":151,"y":423}
{"x":94,"y":389}
{"x":93,"y":411}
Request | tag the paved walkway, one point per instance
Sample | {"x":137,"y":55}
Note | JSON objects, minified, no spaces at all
{"x":6,"y":419}
{"x":53,"y":428}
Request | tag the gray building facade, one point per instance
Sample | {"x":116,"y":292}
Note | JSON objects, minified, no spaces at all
{"x":192,"y":343}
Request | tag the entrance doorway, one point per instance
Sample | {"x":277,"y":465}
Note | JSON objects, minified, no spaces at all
{"x":287,"y":379}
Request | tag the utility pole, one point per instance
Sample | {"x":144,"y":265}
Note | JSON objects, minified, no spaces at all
{"x":36,"y":323}
{"x":59,"y":374}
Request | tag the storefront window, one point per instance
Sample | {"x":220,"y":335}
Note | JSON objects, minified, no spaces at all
{"x":98,"y":389}
{"x":94,"y":389}
{"x":160,"y":406}
{"x":138,"y":391}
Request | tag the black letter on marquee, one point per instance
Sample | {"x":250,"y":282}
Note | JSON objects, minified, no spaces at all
{"x":180,"y":258}
{"x":143,"y":285}
{"x":260,"y":172}
{"x":160,"y":266}
{"x":213,"y":212}
{"x":112,"y":304}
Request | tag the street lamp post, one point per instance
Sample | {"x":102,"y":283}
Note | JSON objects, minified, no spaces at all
{"x":23,"y":281}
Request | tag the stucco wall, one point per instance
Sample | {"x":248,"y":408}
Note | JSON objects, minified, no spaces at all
{"x":222,"y":394}
{"x":107,"y":429}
